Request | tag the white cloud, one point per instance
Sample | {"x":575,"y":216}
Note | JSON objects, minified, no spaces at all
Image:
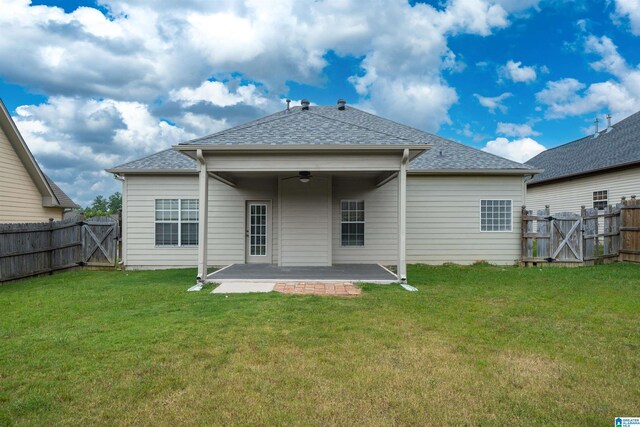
{"x":630,"y":9}
{"x":513,"y":129}
{"x":518,"y":73}
{"x":219,"y":94}
{"x":148,"y":73}
{"x":619,"y":95}
{"x":75,"y":139}
{"x":494,"y":103}
{"x":519,"y":150}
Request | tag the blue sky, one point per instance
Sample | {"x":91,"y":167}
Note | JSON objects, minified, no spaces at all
{"x":95,"y":84}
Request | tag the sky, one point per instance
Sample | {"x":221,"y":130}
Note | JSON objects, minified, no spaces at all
{"x":93,"y":84}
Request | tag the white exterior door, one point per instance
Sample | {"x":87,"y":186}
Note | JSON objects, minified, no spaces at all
{"x":258,"y":232}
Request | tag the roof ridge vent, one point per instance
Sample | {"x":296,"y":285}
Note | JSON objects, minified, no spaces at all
{"x":341,"y":104}
{"x":305,"y":104}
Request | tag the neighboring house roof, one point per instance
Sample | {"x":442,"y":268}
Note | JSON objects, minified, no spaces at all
{"x":328,"y":125}
{"x":52,"y":195}
{"x":64,"y":201}
{"x":613,"y":147}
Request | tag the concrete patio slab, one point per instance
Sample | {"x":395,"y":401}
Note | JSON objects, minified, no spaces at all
{"x":370,"y":273}
{"x":244,"y":287}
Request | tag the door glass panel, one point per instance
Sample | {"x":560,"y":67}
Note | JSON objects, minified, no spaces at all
{"x":258,"y":229}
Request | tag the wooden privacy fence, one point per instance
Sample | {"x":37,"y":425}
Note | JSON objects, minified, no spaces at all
{"x":630,"y":230}
{"x":582,"y":238}
{"x":32,"y":249}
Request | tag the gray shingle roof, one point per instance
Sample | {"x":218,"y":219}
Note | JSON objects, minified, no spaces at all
{"x":327,"y":125}
{"x":613,"y":147}
{"x":300,"y":127}
{"x":63,"y":200}
{"x":168,"y":159}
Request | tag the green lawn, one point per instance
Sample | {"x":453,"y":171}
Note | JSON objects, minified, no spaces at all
{"x":477,"y":345}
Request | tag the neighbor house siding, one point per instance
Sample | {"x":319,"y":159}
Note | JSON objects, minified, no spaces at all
{"x":443,"y":219}
{"x":570,"y":195}
{"x":20,"y":200}
{"x":226,"y":232}
{"x":381,"y":221}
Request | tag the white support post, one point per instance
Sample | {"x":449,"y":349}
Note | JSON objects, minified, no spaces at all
{"x":402,"y":218}
{"x":203,"y":217}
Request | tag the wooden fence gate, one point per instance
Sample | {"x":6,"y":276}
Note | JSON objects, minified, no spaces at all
{"x":566,"y":237}
{"x":31,"y":249}
{"x":99,"y":241}
{"x":571,"y":238}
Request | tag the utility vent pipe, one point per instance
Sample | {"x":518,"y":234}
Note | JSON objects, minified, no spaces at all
{"x":305,"y":104}
{"x":341,"y":104}
{"x":595,"y":123}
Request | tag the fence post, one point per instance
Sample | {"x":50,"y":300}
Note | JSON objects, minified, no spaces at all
{"x":583,"y":215}
{"x":50,"y":252}
{"x":523,"y":230}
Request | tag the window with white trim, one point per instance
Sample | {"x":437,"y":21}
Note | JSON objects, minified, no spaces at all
{"x":496,"y":215}
{"x":352,"y":222}
{"x":600,"y":199}
{"x":177,"y":222}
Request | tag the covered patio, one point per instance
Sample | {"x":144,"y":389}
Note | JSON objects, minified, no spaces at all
{"x":369,"y":273}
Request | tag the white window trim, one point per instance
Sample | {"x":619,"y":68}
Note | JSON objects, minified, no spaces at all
{"x":179,"y":222}
{"x":364,"y":236}
{"x":480,"y":217}
{"x":593,"y":201}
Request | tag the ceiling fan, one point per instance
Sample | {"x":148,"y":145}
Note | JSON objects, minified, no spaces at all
{"x":303,"y":176}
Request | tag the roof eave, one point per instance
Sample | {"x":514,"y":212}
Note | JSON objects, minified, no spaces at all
{"x":134,"y":171}
{"x":516,"y":172}
{"x":300,"y":147}
{"x":414,"y":149}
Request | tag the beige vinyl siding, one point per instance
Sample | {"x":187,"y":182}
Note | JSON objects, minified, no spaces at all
{"x":305,"y":222}
{"x":381,"y":221}
{"x":226,"y":219}
{"x":227,"y":226}
{"x":570,"y":195}
{"x":443,"y":219}
{"x":20,"y":200}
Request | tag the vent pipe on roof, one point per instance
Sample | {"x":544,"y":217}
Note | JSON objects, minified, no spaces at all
{"x":288,"y":101}
{"x":609,"y":127}
{"x":305,"y":104}
{"x":341,"y":104}
{"x":595,"y":123}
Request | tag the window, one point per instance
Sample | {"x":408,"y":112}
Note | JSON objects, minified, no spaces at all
{"x":496,"y":215}
{"x":600,"y":199}
{"x":352,"y":222}
{"x":176,"y":222}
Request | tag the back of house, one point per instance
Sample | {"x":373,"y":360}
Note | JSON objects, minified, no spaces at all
{"x":321,"y":186}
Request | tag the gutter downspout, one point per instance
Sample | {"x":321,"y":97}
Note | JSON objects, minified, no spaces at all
{"x":203,"y":216}
{"x":402,"y":217}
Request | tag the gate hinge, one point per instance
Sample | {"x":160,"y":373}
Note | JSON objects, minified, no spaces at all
{"x":549,"y":259}
{"x":549,"y":218}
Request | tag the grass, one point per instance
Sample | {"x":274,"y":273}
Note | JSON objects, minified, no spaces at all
{"x":477,"y":345}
